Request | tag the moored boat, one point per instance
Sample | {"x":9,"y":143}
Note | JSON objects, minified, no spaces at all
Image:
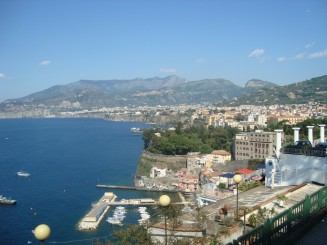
{"x":7,"y":201}
{"x":136,"y":130}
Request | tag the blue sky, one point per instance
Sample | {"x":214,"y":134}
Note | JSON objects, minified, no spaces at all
{"x":45,"y":43}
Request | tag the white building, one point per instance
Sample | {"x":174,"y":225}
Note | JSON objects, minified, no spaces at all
{"x":158,"y":172}
{"x":297,"y":167}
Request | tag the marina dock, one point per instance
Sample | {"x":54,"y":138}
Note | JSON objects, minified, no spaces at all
{"x":92,"y":219}
{"x":137,"y":188}
{"x":117,"y":187}
{"x":134,"y":202}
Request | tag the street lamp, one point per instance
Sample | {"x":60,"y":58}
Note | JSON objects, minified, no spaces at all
{"x":237,"y":179}
{"x":164,"y":201}
{"x":42,"y":232}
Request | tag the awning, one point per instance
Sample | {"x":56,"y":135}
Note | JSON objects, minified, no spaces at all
{"x":261,"y":166}
{"x":228,"y":176}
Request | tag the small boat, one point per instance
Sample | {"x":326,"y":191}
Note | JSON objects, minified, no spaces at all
{"x":22,"y":173}
{"x":145,"y":216}
{"x":118,"y":216}
{"x":7,"y":201}
{"x":136,"y":130}
{"x":142,"y":209}
{"x":114,"y":221}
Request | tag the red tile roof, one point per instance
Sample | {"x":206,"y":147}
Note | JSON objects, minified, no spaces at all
{"x":244,"y":171}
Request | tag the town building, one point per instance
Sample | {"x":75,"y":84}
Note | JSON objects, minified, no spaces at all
{"x":158,"y":172}
{"x":220,"y":157}
{"x":274,"y":119}
{"x":186,"y":181}
{"x":296,"y":165}
{"x":254,"y":145}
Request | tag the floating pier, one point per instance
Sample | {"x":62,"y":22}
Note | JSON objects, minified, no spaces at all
{"x":134,"y":202}
{"x":92,"y":219}
{"x":117,"y":187}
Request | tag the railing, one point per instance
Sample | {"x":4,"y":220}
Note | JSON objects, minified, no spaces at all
{"x":307,"y":152}
{"x":280,"y":227}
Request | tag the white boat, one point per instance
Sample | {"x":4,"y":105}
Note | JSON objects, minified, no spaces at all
{"x":142,"y":209}
{"x":118,"y":216}
{"x":22,"y":173}
{"x":136,"y":130}
{"x":114,"y":221}
{"x":145,"y":216}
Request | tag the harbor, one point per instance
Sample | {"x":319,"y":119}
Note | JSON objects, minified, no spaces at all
{"x":93,"y":218}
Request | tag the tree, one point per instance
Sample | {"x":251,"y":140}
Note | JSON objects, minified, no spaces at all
{"x":190,"y":139}
{"x":239,"y":117}
{"x":134,"y":234}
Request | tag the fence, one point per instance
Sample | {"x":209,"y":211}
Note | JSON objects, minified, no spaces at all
{"x":280,"y":227}
{"x":307,"y":152}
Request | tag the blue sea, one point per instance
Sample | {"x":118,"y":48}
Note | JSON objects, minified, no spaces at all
{"x":66,"y":159}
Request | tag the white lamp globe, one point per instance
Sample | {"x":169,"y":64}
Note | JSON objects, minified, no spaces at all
{"x":237,"y":178}
{"x":164,"y":200}
{"x":42,"y":232}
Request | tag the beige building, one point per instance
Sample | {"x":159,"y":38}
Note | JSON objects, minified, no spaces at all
{"x":220,"y":156}
{"x":254,"y":145}
{"x":292,"y":119}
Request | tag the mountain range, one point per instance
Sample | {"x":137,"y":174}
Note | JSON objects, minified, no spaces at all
{"x":171,"y":90}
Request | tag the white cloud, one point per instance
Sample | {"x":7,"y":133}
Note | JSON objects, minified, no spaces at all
{"x":168,"y":70}
{"x":281,"y":59}
{"x":256,"y":53}
{"x":309,"y":45}
{"x":44,"y":62}
{"x":317,"y":54}
{"x":299,"y":56}
{"x":200,"y":60}
{"x":2,"y":76}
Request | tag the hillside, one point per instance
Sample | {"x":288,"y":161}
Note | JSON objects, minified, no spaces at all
{"x":171,"y":90}
{"x":313,"y":90}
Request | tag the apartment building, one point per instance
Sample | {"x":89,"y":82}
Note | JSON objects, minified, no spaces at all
{"x":254,"y":145}
{"x":220,"y":156}
{"x":274,"y":119}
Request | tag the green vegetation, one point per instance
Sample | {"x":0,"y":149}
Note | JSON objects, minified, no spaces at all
{"x":260,"y":217}
{"x":281,"y":197}
{"x":144,"y":167}
{"x":222,"y":186}
{"x":245,"y":186}
{"x":313,"y":90}
{"x":134,"y":234}
{"x":192,"y":139}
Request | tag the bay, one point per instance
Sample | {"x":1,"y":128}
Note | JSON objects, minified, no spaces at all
{"x":66,"y":159}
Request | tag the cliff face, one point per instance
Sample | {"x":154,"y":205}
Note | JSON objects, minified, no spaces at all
{"x":147,"y":160}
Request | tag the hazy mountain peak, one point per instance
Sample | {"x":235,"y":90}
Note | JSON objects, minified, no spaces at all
{"x":257,"y":83}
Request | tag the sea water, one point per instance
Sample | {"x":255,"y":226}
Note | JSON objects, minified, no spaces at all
{"x":66,"y":159}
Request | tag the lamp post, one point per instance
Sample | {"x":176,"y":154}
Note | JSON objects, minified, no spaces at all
{"x":42,"y":232}
{"x":164,"y":201}
{"x":237,"y":179}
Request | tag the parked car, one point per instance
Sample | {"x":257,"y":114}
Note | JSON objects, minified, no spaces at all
{"x":322,"y":146}
{"x":302,"y":144}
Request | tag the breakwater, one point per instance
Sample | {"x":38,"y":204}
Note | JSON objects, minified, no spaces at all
{"x":92,"y":219}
